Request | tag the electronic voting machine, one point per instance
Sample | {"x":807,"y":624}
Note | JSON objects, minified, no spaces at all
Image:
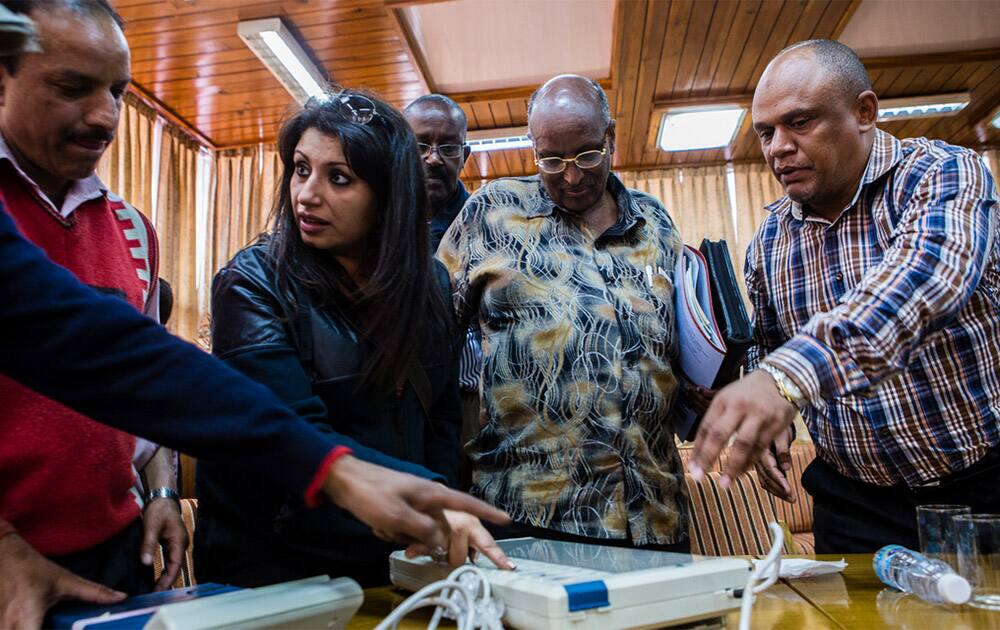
{"x":318,"y":602}
{"x":563,"y":585}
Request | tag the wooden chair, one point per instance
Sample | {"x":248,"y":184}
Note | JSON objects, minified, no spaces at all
{"x":799,"y":515}
{"x":731,"y":522}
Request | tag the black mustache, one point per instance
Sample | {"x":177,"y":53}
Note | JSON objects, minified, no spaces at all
{"x":96,"y":136}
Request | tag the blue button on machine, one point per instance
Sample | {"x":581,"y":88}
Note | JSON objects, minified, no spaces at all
{"x":587,"y":595}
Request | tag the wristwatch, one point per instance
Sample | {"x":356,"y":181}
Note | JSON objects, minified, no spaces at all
{"x":788,"y":390}
{"x":163,"y":492}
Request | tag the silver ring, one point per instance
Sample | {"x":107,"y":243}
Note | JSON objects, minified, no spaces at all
{"x":439,"y":554}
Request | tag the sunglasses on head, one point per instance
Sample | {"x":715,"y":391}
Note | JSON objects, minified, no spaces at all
{"x":354,"y":107}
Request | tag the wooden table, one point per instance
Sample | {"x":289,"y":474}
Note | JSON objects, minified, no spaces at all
{"x":853,"y":599}
{"x":858,"y":599}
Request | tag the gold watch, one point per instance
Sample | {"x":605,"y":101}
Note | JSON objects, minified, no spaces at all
{"x":788,"y":390}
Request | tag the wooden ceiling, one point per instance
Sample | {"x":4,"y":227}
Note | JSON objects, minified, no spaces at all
{"x":188,"y":60}
{"x":186,"y":55}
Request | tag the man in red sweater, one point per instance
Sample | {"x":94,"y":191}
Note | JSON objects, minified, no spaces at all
{"x":66,"y":478}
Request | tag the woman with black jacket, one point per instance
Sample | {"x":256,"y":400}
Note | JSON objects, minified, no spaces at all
{"x":342,"y":312}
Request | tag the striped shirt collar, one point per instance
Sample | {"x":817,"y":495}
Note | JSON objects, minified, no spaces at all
{"x":886,"y":152}
{"x":80,"y":190}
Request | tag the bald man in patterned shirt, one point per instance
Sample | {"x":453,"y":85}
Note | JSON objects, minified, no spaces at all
{"x":561,"y":270}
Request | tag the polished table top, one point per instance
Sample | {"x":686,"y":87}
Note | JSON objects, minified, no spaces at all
{"x":853,"y":599}
{"x":858,"y":599}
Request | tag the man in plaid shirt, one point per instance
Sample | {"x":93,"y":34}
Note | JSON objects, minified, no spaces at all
{"x":876,"y":290}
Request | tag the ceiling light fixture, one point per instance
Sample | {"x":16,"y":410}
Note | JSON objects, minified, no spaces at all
{"x":499,"y":139}
{"x":698,"y":128}
{"x":500,"y":144}
{"x":996,"y":121}
{"x":922,"y":106}
{"x":278,"y":49}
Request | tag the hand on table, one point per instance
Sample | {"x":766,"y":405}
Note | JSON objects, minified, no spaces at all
{"x":754,"y":411}
{"x":408,"y":509}
{"x":32,"y":584}
{"x":162,"y":523}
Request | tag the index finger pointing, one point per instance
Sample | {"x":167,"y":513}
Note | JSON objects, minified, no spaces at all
{"x":448,"y":499}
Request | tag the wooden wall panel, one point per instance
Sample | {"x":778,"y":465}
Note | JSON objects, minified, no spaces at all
{"x":188,"y":57}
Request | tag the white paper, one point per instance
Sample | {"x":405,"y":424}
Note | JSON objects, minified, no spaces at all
{"x":701,"y":346}
{"x":792,"y":568}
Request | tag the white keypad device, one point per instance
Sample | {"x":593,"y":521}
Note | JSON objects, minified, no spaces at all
{"x":562,"y":585}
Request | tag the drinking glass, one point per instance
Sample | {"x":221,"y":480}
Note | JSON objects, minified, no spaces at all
{"x":936,"y":528}
{"x":979,"y":557}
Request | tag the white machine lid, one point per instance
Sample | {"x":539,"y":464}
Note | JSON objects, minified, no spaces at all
{"x":594,"y":557}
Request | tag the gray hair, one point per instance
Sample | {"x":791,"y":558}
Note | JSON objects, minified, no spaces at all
{"x":83,"y":8}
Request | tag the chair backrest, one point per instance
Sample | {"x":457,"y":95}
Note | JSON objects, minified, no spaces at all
{"x":189,"y":514}
{"x":729,"y":522}
{"x":798,"y":515}
{"x":685,"y":452}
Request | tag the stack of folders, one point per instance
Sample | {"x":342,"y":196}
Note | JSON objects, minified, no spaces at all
{"x":713,"y":329}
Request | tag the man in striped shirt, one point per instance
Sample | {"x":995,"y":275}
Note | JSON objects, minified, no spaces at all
{"x":876,"y":290}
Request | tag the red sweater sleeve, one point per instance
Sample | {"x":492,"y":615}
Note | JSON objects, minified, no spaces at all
{"x":313,"y":497}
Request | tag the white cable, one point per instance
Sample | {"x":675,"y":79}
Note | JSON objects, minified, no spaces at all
{"x":463,"y":596}
{"x":758,"y":581}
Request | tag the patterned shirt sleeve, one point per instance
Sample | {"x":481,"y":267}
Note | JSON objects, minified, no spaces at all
{"x":454,"y":252}
{"x":937,"y":256}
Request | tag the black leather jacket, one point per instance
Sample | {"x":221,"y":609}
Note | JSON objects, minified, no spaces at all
{"x":313,"y":363}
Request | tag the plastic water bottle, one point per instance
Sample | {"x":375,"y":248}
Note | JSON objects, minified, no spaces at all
{"x":912,"y":572}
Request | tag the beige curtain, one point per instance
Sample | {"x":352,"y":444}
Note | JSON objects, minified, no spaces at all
{"x":756,"y":187}
{"x":992,"y":158}
{"x":127,"y":166}
{"x":696,"y":198}
{"x":176,"y":227}
{"x":242,"y":188}
{"x":245,"y":182}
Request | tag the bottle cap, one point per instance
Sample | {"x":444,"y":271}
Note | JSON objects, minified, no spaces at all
{"x":954,"y":589}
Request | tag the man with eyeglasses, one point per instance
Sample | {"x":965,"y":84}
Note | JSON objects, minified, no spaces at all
{"x":565,"y":272}
{"x":440,"y":126}
{"x":59,"y":111}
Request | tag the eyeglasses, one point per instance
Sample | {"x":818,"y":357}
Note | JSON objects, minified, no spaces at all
{"x":449,"y":151}
{"x":354,"y":107}
{"x":587,"y":159}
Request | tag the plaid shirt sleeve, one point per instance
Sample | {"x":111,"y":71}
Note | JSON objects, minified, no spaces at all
{"x":937,"y":256}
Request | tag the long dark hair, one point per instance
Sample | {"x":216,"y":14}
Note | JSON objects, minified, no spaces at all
{"x":400,"y":307}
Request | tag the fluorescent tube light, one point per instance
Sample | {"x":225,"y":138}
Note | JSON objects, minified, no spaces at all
{"x":922,"y":106}
{"x":498,"y":139}
{"x":500,"y":144}
{"x":277,"y":48}
{"x":697,"y":128}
